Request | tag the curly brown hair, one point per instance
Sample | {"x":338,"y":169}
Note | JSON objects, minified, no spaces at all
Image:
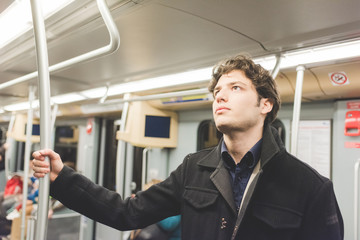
{"x":262,"y":80}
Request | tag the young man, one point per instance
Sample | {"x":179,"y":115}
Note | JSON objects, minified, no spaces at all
{"x":248,"y":187}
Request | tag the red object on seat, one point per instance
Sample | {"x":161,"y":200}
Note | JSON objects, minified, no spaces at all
{"x":13,"y":186}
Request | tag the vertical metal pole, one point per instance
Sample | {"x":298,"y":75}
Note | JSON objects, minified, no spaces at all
{"x":7,"y":158}
{"x":296,"y":111}
{"x":102,"y":153}
{"x":30,"y":228}
{"x":52,"y":125}
{"x":45,"y":128}
{"x":356,"y":199}
{"x":128,"y":169}
{"x":120,"y":158}
{"x":144,"y":168}
{"x":53,"y":116}
{"x":27,"y":159}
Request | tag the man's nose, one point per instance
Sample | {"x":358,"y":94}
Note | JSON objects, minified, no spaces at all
{"x":221,"y":96}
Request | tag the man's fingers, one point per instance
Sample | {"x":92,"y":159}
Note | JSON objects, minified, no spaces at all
{"x":39,"y":175}
{"x":40,"y":163}
{"x":37,"y":155}
{"x":41,"y":168}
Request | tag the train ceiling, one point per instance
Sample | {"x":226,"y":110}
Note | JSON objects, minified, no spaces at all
{"x":160,"y":37}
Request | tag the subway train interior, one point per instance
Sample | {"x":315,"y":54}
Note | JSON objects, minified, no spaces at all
{"x":119,"y":88}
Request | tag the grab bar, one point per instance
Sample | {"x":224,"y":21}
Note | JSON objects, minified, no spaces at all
{"x":296,"y":110}
{"x":356,"y":198}
{"x":27,"y":158}
{"x":44,"y":92}
{"x":44,"y":98}
{"x":144,"y":168}
{"x":108,"y":49}
{"x":7,"y":158}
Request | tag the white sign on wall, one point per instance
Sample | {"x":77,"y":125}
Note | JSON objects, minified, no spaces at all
{"x":314,"y":145}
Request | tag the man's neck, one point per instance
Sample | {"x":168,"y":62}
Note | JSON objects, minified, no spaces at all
{"x":239,"y":143}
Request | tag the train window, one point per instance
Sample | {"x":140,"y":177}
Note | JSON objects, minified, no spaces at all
{"x":208,"y":135}
{"x":279,"y":125}
{"x":66,"y":138}
{"x":137,"y":168}
{"x":110,"y":155}
{"x":19,"y":156}
{"x":2,"y":134}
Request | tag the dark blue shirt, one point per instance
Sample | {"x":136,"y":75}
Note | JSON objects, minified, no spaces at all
{"x":240,"y":173}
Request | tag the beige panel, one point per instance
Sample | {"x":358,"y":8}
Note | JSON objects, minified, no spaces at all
{"x":311,"y":90}
{"x":350,"y":90}
{"x":135,"y":127}
{"x":18,"y":132}
{"x":286,"y":90}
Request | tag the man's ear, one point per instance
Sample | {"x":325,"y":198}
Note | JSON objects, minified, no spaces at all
{"x":266,"y":105}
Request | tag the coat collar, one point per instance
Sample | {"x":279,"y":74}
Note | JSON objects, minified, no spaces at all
{"x":271,"y":145}
{"x":220,"y":177}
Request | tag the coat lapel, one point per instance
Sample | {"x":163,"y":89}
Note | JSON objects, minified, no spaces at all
{"x":270,"y":147}
{"x":221,"y":180}
{"x":220,"y":177}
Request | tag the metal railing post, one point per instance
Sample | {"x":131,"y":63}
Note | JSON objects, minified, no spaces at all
{"x":44,"y":99}
{"x":296,"y":111}
{"x":144,"y":168}
{"x":27,"y":159}
{"x":7,"y":158}
{"x":120,"y":158}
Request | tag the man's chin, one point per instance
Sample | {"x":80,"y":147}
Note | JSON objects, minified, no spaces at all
{"x":223,"y":128}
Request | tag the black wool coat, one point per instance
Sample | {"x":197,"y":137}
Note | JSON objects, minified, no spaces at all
{"x":287,"y":199}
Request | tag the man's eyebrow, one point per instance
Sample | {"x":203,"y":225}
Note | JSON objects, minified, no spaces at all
{"x":216,"y":87}
{"x":237,"y":82}
{"x":232,"y":83}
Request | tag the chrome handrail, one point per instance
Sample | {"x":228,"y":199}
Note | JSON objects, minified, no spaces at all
{"x":27,"y":159}
{"x":144,"y":167}
{"x":108,"y":49}
{"x":296,"y":110}
{"x":44,"y":91}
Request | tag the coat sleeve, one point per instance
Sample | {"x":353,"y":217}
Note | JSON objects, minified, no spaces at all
{"x":100,"y":204}
{"x":323,"y":220}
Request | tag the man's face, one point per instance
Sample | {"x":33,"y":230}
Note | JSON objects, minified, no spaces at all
{"x":236,"y":106}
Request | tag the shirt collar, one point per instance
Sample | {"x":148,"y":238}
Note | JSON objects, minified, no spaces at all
{"x":254,"y":151}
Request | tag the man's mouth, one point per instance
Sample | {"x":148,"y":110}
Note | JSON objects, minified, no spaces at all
{"x":221,"y":109}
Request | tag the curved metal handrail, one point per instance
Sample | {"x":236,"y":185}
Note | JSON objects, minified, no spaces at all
{"x":108,"y":49}
{"x":44,"y":91}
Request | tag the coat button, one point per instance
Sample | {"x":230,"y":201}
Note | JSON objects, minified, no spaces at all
{"x":223,"y":223}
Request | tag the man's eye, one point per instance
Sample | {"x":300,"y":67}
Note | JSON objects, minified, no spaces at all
{"x":236,"y":88}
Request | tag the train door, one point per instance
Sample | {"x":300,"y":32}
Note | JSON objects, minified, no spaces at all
{"x":76,"y":140}
{"x":140,"y":165}
{"x":345,"y":165}
{"x":77,"y":147}
{"x":88,"y":150}
{"x":106,"y":173}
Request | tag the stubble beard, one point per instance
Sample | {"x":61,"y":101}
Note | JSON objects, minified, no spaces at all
{"x":229,"y":128}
